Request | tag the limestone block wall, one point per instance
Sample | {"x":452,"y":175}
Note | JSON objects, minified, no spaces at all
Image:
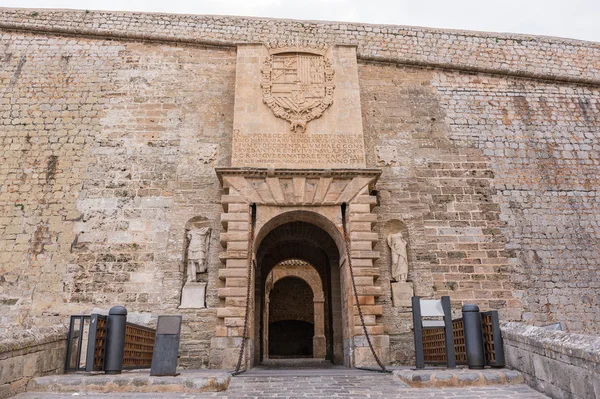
{"x":441,"y":190}
{"x":542,"y":143}
{"x":294,"y":301}
{"x":533,"y":56}
{"x":496,"y":180}
{"x":51,"y":109}
{"x":105,"y":157}
{"x":30,"y":353}
{"x":108,"y":147}
{"x":557,"y":363}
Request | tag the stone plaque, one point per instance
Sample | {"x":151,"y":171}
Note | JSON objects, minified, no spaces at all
{"x":402,"y":293}
{"x":193,"y":296}
{"x":297,"y":105}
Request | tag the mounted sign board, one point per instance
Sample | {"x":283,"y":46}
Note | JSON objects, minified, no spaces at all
{"x":166,"y":346}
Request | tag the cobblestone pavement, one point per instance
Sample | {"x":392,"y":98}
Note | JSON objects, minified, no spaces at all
{"x":330,"y":383}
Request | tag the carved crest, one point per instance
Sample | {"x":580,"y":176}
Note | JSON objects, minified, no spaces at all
{"x":207,"y":152}
{"x":297,"y":82}
{"x":387,"y":154}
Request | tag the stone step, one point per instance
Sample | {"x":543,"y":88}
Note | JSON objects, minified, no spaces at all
{"x":189,"y":381}
{"x":458,"y":377}
{"x":274,"y":374}
{"x":276,"y":379}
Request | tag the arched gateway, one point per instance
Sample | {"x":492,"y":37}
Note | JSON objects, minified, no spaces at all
{"x":308,"y":242}
{"x":314,"y":235}
{"x":297,"y":159}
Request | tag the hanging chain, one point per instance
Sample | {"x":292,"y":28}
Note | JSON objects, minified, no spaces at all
{"x":250,"y":264}
{"x":362,"y":319}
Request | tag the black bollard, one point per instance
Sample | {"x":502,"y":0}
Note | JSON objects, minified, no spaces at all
{"x":473,"y":336}
{"x":115,"y":340}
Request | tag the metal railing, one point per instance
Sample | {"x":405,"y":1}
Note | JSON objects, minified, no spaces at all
{"x":139,"y":345}
{"x":434,"y":345}
{"x":89,"y":342}
{"x":86,"y":344}
{"x":492,"y":339}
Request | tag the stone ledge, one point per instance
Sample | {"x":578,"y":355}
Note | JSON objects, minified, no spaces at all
{"x":552,"y":58}
{"x":459,"y":377}
{"x":585,"y":347}
{"x":339,"y":173}
{"x":29,"y":353}
{"x":557,"y":363}
{"x":134,"y":381}
{"x":27,"y":339}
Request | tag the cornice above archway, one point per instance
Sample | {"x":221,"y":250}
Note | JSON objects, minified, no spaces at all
{"x":294,"y":187}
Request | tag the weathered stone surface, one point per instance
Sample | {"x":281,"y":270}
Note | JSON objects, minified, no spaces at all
{"x":133,"y":381}
{"x":108,"y":154}
{"x":320,"y":383}
{"x":30,"y":353}
{"x":557,"y":363}
{"x":547,"y":57}
{"x":459,"y":377}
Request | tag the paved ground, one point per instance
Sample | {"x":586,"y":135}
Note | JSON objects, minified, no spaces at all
{"x":331,"y":382}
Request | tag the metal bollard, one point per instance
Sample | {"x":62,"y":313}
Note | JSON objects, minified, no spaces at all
{"x":473,"y":336}
{"x":115,"y":340}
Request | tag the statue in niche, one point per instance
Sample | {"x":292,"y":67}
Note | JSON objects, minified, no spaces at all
{"x":397,"y":245}
{"x":199,"y":241}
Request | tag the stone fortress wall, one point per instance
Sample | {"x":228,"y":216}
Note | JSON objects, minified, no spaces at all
{"x":112,"y":124}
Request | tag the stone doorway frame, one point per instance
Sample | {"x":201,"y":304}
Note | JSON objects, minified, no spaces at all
{"x":273,"y":219}
{"x":298,"y":192}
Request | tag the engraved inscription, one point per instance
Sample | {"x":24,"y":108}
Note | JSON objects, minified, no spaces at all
{"x":313,"y":150}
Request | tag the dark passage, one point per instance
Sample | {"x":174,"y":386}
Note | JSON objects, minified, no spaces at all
{"x":291,"y":319}
{"x":290,"y":338}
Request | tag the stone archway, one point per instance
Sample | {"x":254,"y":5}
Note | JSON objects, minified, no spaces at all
{"x":291,"y":236}
{"x":287,"y":202}
{"x":294,"y":268}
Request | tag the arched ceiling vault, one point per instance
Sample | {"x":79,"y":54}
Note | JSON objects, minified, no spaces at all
{"x":297,"y":240}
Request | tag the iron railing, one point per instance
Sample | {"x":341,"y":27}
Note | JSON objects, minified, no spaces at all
{"x":139,"y":345}
{"x":434,"y":344}
{"x":87,"y":337}
{"x":92,"y":338}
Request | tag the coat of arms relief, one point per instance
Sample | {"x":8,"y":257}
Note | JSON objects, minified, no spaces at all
{"x":297,"y":82}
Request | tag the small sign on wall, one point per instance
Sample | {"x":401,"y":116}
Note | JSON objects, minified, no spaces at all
{"x":166,"y":346}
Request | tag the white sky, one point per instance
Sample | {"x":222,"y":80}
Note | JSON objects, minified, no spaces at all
{"x":579,"y":19}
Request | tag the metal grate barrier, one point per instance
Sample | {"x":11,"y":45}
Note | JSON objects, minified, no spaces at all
{"x":434,"y":345}
{"x":86,"y":344}
{"x":139,"y":345}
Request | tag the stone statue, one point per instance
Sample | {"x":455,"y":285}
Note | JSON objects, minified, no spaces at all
{"x":397,"y":244}
{"x":197,"y":249}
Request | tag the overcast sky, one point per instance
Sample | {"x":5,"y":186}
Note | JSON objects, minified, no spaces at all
{"x":579,"y":19}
